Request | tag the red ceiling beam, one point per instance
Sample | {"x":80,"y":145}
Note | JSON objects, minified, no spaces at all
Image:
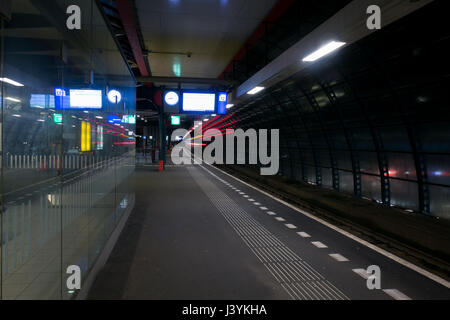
{"x":280,"y":7}
{"x":127,"y":16}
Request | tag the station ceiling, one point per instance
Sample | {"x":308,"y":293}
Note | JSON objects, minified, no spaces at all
{"x":197,"y":38}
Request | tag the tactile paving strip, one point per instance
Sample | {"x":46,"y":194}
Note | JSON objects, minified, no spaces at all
{"x":296,"y":276}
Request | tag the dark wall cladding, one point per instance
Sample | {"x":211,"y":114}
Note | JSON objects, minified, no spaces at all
{"x":65,"y":171}
{"x":376,"y":112}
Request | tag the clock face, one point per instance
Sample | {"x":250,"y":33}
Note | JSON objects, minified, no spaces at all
{"x":171,"y":98}
{"x":114,"y":96}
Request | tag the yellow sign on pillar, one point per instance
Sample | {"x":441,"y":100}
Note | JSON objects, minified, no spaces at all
{"x":85,"y":136}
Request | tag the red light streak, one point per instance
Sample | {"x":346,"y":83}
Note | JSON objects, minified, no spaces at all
{"x":124,"y":143}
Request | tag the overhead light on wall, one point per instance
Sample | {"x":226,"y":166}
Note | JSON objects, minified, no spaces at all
{"x":14,"y":83}
{"x":12,"y":99}
{"x":323,"y":51}
{"x":255,"y":90}
{"x":229,"y":106}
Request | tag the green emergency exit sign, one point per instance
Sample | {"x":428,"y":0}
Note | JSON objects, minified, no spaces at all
{"x":176,"y":120}
{"x":58,"y":118}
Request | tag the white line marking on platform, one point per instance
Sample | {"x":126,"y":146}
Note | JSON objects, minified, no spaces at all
{"x":319,"y":244}
{"x":303,"y":235}
{"x":251,"y":200}
{"x":280,"y":219}
{"x":264,"y":208}
{"x":381,"y":251}
{"x":290,"y":226}
{"x":362,"y":272}
{"x":397,"y":295}
{"x":270,"y":213}
{"x":338,"y":257}
{"x":256,"y":203}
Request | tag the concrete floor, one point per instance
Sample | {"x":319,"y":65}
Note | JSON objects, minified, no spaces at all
{"x":196,"y":233}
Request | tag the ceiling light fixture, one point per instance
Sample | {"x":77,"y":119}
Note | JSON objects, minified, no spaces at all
{"x":255,"y":90}
{"x":323,"y":51}
{"x":12,"y":99}
{"x":14,"y":83}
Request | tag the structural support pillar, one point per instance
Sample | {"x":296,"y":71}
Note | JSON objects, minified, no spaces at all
{"x":162,"y":137}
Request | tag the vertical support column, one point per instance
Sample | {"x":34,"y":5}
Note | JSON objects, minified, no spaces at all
{"x":162,"y":137}
{"x":356,"y":168}
{"x":292,"y":174}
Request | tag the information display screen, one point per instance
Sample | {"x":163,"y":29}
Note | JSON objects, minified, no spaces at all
{"x":86,"y":99}
{"x":42,"y":101}
{"x":199,"y":102}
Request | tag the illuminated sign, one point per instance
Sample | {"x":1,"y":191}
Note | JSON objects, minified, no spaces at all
{"x":85,"y":136}
{"x":58,"y":118}
{"x":60,"y":92}
{"x":222,"y":97}
{"x":171,"y":98}
{"x":42,"y":101}
{"x":130,"y":119}
{"x":222,"y":104}
{"x":114,"y":96}
{"x":61,"y":99}
{"x":199,"y":102}
{"x":100,"y":138}
{"x":113,"y":119}
{"x":175,"y":120}
{"x":83,"y":99}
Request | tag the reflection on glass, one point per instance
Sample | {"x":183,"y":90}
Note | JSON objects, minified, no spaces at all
{"x":64,"y":177}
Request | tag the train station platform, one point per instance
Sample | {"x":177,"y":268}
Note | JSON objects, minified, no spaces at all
{"x":199,"y":233}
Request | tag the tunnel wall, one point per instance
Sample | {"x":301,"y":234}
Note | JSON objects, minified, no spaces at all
{"x":371,"y":120}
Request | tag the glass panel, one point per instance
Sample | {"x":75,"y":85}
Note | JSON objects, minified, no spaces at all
{"x":404,"y":194}
{"x":65,"y":167}
{"x":438,"y":169}
{"x":371,"y":188}
{"x":369,"y":162}
{"x":440,"y":201}
{"x":401,"y":165}
{"x":346,"y":182}
{"x":327,"y":178}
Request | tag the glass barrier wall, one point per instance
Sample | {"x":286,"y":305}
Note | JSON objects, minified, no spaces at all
{"x":67,"y":148}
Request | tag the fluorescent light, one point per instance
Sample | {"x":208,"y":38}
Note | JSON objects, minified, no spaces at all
{"x":12,"y":99}
{"x":255,"y":90}
{"x":229,"y":106}
{"x":323,"y":51}
{"x":14,"y":83}
{"x":17,"y":115}
{"x":206,"y":120}
{"x":41,"y":120}
{"x":99,"y":117}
